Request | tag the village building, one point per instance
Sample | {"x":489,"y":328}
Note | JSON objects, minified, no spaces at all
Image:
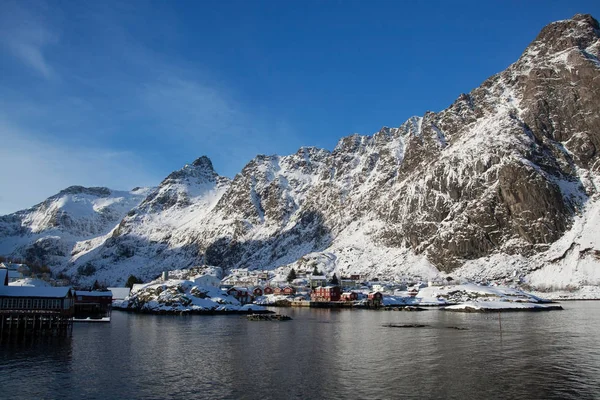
{"x":242,"y":295}
{"x":378,"y":287}
{"x":375,"y":299}
{"x":300,"y":282}
{"x":289,"y":290}
{"x":207,"y":280}
{"x":241,"y":272}
{"x":316,"y":281}
{"x":257,"y":292}
{"x":349,"y":296}
{"x":326,"y":293}
{"x":119,"y":293}
{"x":93,"y":305}
{"x":268,"y":290}
{"x":26,"y":310}
{"x":347,"y":283}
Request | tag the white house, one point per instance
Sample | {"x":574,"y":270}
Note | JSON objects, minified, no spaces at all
{"x":207,"y":280}
{"x":317,"y":280}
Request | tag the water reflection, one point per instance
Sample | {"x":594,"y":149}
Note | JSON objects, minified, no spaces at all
{"x":327,"y":354}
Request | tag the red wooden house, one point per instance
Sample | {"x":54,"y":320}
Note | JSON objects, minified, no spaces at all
{"x":326,"y":293}
{"x":268,"y":290}
{"x":375,"y":299}
{"x":349,"y":296}
{"x":288,"y":291}
{"x":257,"y":292}
{"x":241,"y":294}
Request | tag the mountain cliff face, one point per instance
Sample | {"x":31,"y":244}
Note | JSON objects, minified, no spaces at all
{"x":498,"y":182}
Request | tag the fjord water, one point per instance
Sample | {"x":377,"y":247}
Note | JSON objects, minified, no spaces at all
{"x":321,"y":354}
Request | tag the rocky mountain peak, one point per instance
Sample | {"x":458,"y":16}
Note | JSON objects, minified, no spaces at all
{"x":93,"y":191}
{"x":200,"y":170}
{"x":580,"y":31}
{"x":203,"y":162}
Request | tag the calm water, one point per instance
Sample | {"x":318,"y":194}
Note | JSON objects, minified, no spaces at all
{"x":321,"y":354}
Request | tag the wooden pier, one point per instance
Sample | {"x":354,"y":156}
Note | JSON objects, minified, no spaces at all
{"x":22,"y":323}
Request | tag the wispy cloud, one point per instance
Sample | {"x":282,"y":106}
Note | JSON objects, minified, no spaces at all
{"x":34,"y":170}
{"x":122,"y":114}
{"x":24,"y":34}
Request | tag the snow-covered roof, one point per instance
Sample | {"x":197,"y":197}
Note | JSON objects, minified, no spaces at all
{"x":94,"y":294}
{"x":318,"y":277}
{"x":29,"y":291}
{"x":119,"y":293}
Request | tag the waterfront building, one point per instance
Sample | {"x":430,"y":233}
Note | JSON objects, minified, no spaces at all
{"x":93,"y":305}
{"x":26,"y":310}
{"x":326,"y":293}
{"x":241,"y":294}
{"x":375,"y":299}
{"x":268,"y":290}
{"x":349,"y":296}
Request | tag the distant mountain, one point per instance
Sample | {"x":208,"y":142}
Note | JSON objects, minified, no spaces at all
{"x":501,"y":184}
{"x":53,"y":231}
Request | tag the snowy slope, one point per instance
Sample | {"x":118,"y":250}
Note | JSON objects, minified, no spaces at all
{"x":50,"y":231}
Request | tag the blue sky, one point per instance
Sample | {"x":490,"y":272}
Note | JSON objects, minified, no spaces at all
{"x":120,"y":94}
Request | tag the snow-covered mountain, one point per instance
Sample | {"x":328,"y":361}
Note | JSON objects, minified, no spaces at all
{"x":53,"y":231}
{"x":503,"y":182}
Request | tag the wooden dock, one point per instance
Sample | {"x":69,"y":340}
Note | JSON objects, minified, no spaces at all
{"x":32,"y":323}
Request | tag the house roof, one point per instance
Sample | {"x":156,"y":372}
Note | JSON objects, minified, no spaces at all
{"x":94,"y":294}
{"x":30,"y":291}
{"x":318,"y":277}
{"x":119,"y":292}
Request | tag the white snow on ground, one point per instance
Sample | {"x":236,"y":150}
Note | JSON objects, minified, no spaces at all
{"x":477,"y":297}
{"x":583,"y":293}
{"x":496,"y":305}
{"x":181,"y":295}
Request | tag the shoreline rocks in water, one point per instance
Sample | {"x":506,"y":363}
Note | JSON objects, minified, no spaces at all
{"x":268,"y":317}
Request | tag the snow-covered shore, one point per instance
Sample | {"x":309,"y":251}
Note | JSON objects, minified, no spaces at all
{"x":183,"y":296}
{"x":474,"y":298}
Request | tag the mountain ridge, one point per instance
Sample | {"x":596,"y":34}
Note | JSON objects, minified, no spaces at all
{"x":504,"y":171}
